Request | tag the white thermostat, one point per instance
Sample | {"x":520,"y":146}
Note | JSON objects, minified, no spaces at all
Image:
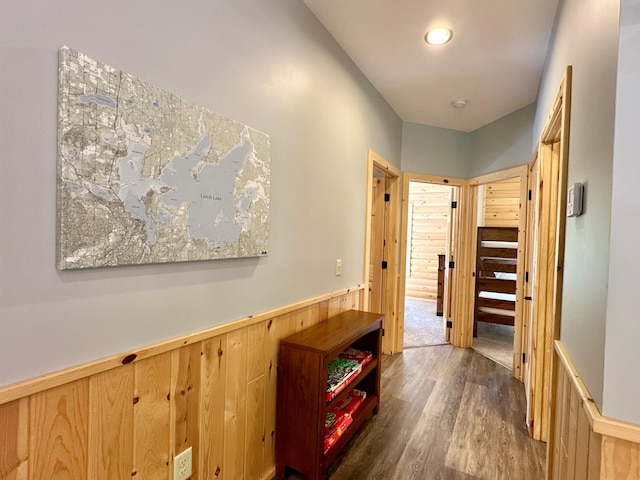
{"x":574,"y":200}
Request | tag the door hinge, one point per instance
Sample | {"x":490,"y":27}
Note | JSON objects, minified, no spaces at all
{"x":524,"y":357}
{"x":529,"y":194}
{"x":452,"y":265}
{"x":384,"y":264}
{"x":454,"y":204}
{"x":387,"y":197}
{"x":526,"y":276}
{"x":383,"y":332}
{"x":528,"y":298}
{"x":449,"y":324}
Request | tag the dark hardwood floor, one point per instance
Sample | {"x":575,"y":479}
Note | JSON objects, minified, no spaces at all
{"x":446,"y":414}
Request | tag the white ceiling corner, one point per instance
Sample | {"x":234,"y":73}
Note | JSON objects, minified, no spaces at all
{"x":494,"y":60}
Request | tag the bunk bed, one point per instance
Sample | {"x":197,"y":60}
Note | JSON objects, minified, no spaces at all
{"x":496,"y":261}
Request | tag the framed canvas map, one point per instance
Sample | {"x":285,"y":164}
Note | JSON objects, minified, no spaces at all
{"x":147,"y":177}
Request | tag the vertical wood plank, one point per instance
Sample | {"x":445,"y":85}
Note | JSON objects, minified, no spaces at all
{"x":582,"y":445}
{"x":185,"y":400}
{"x":322,"y":310}
{"x":256,"y":342}
{"x":151,"y":417}
{"x":111,"y":424}
{"x":564,"y":428}
{"x":595,"y":446}
{"x":212,"y":408}
{"x":306,"y":317}
{"x":235,"y":405}
{"x":572,"y":433}
{"x":274,"y":333}
{"x":314,"y":314}
{"x":337,"y":305}
{"x":14,"y":440}
{"x":354,"y":300}
{"x":255,"y":435}
{"x":561,"y":402}
{"x":620,"y":459}
{"x":58,"y":437}
{"x":287,"y":325}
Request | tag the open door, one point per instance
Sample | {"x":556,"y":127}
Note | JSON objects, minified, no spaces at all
{"x":376,"y":279}
{"x":381,"y":245}
{"x":450,"y":261}
{"x":529,"y":286}
{"x":546,"y":260}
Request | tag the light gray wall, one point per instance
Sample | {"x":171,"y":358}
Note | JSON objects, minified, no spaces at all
{"x":586,"y":36}
{"x":622,"y":355}
{"x":434,"y":150}
{"x":503,"y":144}
{"x":265,"y":63}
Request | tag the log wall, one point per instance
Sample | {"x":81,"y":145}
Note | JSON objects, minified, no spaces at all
{"x":429,"y":207}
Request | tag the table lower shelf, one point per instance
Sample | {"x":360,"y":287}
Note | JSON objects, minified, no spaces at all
{"x":369,"y":404}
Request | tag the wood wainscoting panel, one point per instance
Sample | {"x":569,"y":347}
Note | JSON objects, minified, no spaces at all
{"x":186,"y":364}
{"x":574,"y":448}
{"x":111,"y":423}
{"x":255,"y":428}
{"x":14,"y":440}
{"x":213,"y":372}
{"x":583,"y":444}
{"x":58,"y":432}
{"x":129,"y":415}
{"x":235,"y":404}
{"x":620,"y":459}
{"x":151,"y":417}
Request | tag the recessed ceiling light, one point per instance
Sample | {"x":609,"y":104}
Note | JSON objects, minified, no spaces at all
{"x":438,"y":36}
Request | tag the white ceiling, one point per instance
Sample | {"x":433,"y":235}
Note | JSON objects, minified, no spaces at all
{"x":494,"y":60}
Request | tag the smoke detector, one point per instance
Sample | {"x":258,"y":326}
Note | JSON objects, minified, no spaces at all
{"x":459,"y":103}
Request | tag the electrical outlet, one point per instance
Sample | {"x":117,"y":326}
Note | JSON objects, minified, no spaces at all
{"x":338,"y":267}
{"x":182,"y":465}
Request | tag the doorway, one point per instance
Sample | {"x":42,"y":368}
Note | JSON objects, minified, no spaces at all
{"x":496,"y":270}
{"x":505,"y":207}
{"x":445,"y":271}
{"x":428,"y":247}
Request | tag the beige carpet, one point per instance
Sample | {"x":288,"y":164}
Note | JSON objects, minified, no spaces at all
{"x":495,"y":342}
{"x":422,"y":327}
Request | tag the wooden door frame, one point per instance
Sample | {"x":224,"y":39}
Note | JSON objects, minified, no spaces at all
{"x":521,"y":173}
{"x":555,"y":132}
{"x":375,"y":163}
{"x":530,"y":266}
{"x":406,"y":179}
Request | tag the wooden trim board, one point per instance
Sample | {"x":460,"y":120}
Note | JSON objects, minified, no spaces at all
{"x":51,"y":380}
